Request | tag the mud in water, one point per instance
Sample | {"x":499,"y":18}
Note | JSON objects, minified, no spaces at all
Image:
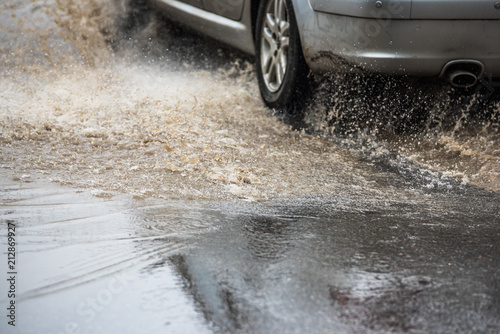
{"x":147,"y":119}
{"x":453,"y":131}
{"x":110,"y":96}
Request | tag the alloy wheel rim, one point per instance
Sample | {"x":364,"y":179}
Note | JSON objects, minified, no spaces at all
{"x":275,"y":39}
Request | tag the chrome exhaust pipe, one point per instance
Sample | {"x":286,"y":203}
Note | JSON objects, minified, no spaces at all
{"x":462,"y":73}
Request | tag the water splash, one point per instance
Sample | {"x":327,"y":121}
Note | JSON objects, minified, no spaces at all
{"x":110,"y":96}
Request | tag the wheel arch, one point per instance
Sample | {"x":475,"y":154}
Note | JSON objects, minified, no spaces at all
{"x":254,"y":10}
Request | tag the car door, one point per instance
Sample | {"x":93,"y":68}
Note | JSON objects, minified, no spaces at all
{"x":196,"y":3}
{"x":228,"y":8}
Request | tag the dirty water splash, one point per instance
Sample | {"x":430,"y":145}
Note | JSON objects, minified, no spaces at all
{"x":124,"y":116}
{"x":40,"y":37}
{"x":452,"y":131}
{"x":135,"y":112}
{"x":110,"y":96}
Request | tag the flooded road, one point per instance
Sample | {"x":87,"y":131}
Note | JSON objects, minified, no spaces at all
{"x":152,"y":192}
{"x":317,"y":264}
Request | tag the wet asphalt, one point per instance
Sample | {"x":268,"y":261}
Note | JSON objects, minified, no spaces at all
{"x":317,"y":264}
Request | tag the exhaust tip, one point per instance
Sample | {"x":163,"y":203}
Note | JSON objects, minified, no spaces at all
{"x":462,"y":79}
{"x":462,"y":73}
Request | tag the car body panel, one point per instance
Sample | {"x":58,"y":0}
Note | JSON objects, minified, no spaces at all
{"x":196,"y":3}
{"x":456,"y":9}
{"x":392,"y":38}
{"x":411,"y":47}
{"x":231,"y":9}
{"x":236,"y":33}
{"x":412,"y":9}
{"x":364,"y":8}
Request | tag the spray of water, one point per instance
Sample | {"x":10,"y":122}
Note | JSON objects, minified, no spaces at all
{"x":110,"y":95}
{"x":450,"y":130}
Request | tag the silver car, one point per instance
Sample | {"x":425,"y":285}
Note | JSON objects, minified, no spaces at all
{"x":457,"y":40}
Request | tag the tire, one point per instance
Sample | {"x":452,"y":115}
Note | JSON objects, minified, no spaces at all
{"x":282,"y":72}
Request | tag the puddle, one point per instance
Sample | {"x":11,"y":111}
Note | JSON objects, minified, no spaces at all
{"x":316,"y":264}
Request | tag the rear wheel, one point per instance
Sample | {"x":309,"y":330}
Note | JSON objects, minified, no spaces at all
{"x":281,"y":69}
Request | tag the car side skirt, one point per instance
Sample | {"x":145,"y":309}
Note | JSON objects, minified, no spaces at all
{"x":235,"y":33}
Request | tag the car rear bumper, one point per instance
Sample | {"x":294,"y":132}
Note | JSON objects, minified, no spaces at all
{"x":387,"y":45}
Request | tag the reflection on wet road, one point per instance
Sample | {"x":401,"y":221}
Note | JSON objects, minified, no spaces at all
{"x":308,"y":265}
{"x":97,"y":264}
